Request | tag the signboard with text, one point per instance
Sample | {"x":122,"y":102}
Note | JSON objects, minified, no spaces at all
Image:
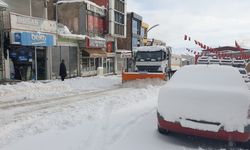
{"x":95,"y":43}
{"x":96,"y":9}
{"x":32,"y":39}
{"x":27,"y":23}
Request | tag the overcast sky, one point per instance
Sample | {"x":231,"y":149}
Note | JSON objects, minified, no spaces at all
{"x":213,"y":22}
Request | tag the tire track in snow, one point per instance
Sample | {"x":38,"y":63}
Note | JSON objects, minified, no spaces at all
{"x":24,"y":120}
{"x":97,"y":140}
{"x":120,"y":131}
{"x":23,"y":103}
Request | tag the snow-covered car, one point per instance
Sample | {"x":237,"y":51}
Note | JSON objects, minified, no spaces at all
{"x":209,"y":101}
{"x":214,"y":60}
{"x":226,"y":61}
{"x":203,"y":60}
{"x":239,"y":63}
{"x":244,"y":74}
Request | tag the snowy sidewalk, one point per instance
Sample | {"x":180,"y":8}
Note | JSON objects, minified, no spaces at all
{"x":26,"y":91}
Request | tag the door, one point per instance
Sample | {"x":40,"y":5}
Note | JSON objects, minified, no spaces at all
{"x":41,"y":63}
{"x":108,"y":66}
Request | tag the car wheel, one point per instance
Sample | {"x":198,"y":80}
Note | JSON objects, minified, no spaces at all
{"x":246,"y":145}
{"x":162,"y":131}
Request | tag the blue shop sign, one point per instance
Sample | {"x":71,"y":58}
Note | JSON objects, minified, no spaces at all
{"x":33,"y":39}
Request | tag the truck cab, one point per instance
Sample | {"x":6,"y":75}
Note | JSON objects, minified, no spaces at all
{"x":153,"y":59}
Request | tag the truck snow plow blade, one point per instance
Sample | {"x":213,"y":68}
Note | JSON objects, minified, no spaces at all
{"x":129,"y":76}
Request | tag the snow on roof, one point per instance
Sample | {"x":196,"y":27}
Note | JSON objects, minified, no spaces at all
{"x":62,"y":29}
{"x":73,"y":36}
{"x":64,"y":32}
{"x":3,"y":4}
{"x":77,"y":1}
{"x":123,"y":51}
{"x":149,"y":48}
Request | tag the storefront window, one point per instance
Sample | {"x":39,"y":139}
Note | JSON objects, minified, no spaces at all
{"x":88,"y":64}
{"x":135,"y":42}
{"x":136,"y":27}
{"x":142,"y":32}
{"x":85,"y":63}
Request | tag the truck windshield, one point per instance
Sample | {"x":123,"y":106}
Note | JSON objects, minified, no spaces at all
{"x":150,"y":56}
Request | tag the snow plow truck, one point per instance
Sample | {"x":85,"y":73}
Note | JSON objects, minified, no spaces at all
{"x":150,"y":62}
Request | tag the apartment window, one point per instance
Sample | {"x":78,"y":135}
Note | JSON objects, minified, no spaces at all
{"x":135,"y":42}
{"x":136,"y":27}
{"x":119,"y":17}
{"x":119,"y":5}
{"x":119,"y":29}
{"x":142,"y":32}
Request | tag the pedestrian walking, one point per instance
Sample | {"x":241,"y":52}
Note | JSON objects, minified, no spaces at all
{"x":63,"y":71}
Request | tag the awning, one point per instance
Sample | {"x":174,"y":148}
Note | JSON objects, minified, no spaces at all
{"x":95,"y":53}
{"x":3,"y":5}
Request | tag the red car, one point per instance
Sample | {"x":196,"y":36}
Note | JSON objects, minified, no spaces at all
{"x":209,"y":101}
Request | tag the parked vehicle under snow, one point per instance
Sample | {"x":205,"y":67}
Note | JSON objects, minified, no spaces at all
{"x":206,"y":100}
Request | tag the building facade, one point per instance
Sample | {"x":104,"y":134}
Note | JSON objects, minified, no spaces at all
{"x":133,"y":39}
{"x":85,"y":25}
{"x":38,"y":34}
{"x":116,"y":28}
{"x":27,"y":43}
{"x":28,"y":40}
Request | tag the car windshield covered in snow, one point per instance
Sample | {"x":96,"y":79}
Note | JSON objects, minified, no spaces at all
{"x":150,"y":55}
{"x":202,"y":76}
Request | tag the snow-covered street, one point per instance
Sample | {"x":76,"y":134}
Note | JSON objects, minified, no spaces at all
{"x":96,"y":113}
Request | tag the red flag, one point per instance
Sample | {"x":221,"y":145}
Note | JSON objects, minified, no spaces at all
{"x":238,"y":47}
{"x":185,"y":37}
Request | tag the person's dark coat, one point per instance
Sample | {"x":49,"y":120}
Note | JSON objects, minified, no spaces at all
{"x":63,"y":71}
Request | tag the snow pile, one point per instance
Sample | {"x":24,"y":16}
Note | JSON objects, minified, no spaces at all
{"x":143,"y":83}
{"x":64,"y":32}
{"x":28,"y":90}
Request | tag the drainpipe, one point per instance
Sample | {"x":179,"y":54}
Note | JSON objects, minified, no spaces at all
{"x":30,"y":5}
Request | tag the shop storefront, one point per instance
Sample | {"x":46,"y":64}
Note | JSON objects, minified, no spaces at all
{"x":29,"y":41}
{"x":123,"y":57}
{"x":92,"y":56}
{"x":27,"y":55}
{"x":110,"y":61}
{"x":68,"y":50}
